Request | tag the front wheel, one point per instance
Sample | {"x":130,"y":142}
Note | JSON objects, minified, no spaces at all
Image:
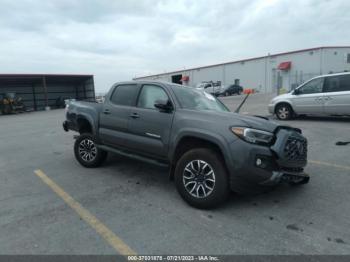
{"x":201,"y":178}
{"x":87,"y":153}
{"x":284,"y":112}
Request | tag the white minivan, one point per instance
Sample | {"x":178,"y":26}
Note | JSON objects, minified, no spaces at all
{"x":322,"y":95}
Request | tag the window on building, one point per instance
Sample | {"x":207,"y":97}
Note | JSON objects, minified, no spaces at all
{"x":149,"y":95}
{"x":348,"y":58}
{"x":337,"y":83}
{"x":124,"y":95}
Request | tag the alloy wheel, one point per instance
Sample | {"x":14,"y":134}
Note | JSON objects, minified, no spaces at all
{"x":87,"y":150}
{"x":199,"y":178}
{"x":283,"y":112}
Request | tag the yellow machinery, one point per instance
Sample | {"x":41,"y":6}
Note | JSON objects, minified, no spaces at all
{"x":10,"y":104}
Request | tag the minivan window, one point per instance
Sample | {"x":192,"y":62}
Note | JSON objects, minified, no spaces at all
{"x":149,"y":95}
{"x":337,"y":83}
{"x":312,"y":87}
{"x":124,"y":95}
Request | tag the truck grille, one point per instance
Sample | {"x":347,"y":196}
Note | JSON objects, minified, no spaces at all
{"x":295,"y":148}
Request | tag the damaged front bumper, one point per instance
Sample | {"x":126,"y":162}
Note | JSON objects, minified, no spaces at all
{"x":258,"y":166}
{"x":290,"y":178}
{"x":290,"y":151}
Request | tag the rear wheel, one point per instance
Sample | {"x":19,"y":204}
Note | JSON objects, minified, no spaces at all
{"x":201,"y":178}
{"x":87,"y":153}
{"x":284,"y":112}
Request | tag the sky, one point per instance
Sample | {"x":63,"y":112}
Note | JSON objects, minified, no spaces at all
{"x":117,"y":40}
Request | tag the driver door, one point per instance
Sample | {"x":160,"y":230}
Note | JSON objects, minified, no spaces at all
{"x":308,"y":99}
{"x":150,"y":128}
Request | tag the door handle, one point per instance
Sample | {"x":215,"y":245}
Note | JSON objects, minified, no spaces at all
{"x":135,"y":115}
{"x":106,"y":112}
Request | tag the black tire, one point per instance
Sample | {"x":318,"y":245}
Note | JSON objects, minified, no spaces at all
{"x":284,"y":111}
{"x":94,"y":156}
{"x":220,"y":186}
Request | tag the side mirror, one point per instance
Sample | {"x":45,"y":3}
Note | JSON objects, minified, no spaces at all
{"x":296,"y":92}
{"x":163,"y":105}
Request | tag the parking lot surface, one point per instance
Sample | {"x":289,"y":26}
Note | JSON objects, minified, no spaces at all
{"x":138,"y":203}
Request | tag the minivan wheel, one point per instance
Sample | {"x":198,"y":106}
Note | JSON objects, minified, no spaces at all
{"x":284,"y":112}
{"x":87,"y":153}
{"x":201,"y":178}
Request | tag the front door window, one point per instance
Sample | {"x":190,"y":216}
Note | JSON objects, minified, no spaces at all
{"x":149,"y":95}
{"x":313,"y":87}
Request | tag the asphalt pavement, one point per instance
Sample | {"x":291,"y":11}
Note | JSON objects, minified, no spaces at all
{"x":139,"y":206}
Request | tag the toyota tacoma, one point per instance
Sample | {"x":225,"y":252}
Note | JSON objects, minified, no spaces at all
{"x":208,"y":149}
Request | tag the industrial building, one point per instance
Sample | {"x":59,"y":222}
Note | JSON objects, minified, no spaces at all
{"x":272,"y":73}
{"x":40,"y":91}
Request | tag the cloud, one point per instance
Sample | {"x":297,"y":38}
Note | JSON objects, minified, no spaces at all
{"x":117,"y":40}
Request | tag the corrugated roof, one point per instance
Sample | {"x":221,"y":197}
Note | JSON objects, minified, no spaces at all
{"x":42,"y":75}
{"x":28,"y":79}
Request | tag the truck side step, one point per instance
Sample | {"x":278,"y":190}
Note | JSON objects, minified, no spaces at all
{"x":134,"y":156}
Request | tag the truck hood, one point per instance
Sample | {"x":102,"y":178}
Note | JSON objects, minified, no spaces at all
{"x":229,"y":119}
{"x":257,"y":122}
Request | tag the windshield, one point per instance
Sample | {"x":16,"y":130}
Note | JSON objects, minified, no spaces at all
{"x":198,"y":100}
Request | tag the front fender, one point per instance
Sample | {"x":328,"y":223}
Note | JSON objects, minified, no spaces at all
{"x":212,"y":137}
{"x":284,"y":101}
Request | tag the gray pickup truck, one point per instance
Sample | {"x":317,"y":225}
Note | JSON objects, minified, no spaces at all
{"x":208,"y":149}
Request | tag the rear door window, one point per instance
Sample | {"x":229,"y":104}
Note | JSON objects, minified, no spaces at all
{"x":124,"y":95}
{"x":337,"y":83}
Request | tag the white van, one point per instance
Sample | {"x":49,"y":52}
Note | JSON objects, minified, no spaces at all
{"x":322,"y":95}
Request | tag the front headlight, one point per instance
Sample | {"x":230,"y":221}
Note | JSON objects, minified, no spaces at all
{"x":253,"y":135}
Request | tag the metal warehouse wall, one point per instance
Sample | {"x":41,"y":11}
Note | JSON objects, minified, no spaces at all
{"x":335,"y":60}
{"x":263,"y":74}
